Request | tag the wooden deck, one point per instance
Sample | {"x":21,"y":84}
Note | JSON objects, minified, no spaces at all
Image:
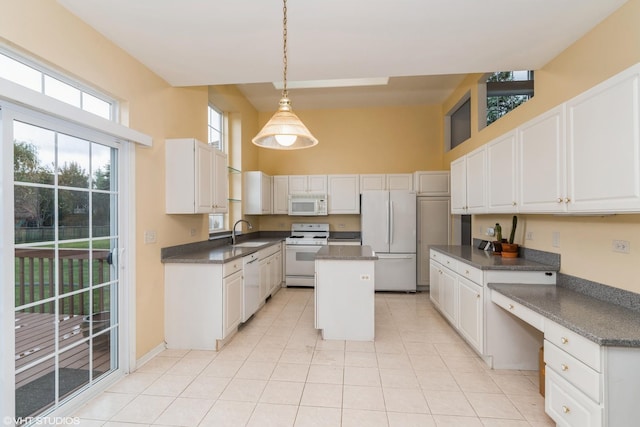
{"x":35,"y":339}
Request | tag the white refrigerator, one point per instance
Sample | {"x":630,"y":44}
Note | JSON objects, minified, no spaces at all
{"x":388,"y":225}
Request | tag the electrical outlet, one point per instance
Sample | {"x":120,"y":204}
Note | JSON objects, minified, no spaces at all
{"x":341,"y":226}
{"x":555,"y":239}
{"x":192,"y":232}
{"x":622,"y":246}
{"x":150,"y":237}
{"x":529,"y":235}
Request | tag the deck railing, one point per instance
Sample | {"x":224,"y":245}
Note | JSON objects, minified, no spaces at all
{"x":35,"y":273}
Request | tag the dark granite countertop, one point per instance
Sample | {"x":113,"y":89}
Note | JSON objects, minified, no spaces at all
{"x":602,"y":322}
{"x":346,"y":252}
{"x":485,"y":260}
{"x":219,"y":254}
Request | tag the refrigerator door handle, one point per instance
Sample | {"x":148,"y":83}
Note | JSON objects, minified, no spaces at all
{"x":391,"y":223}
{"x":386,"y":235}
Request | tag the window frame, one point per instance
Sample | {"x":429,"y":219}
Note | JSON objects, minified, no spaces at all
{"x":488,"y":89}
{"x":222,"y":146}
{"x":449,"y":143}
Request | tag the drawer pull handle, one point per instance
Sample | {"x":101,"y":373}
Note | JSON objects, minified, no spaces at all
{"x":466,"y":272}
{"x":511,"y":307}
{"x":564,"y":340}
{"x":566,"y":409}
{"x":564,"y":367}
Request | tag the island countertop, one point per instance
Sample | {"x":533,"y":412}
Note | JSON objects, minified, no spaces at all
{"x":347,"y":253}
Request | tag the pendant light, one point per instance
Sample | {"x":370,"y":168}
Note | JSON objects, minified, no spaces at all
{"x":285,"y":131}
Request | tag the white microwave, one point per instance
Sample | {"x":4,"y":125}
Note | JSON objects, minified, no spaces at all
{"x":308,"y":204}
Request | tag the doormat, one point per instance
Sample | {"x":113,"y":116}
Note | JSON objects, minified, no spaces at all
{"x":39,"y":394}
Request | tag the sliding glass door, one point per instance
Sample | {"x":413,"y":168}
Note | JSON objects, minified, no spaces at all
{"x":66,"y":242}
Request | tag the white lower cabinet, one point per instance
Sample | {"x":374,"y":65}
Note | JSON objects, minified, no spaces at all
{"x":203,"y":304}
{"x":470,"y":312}
{"x":270,"y":270}
{"x":458,"y":290}
{"x":232,"y":302}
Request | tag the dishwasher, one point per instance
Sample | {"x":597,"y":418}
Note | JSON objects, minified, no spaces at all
{"x":250,"y":285}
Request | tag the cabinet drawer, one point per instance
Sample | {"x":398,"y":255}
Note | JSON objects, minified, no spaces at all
{"x":576,"y":345}
{"x":571,"y":369}
{"x":445,"y":260}
{"x":471,"y":273}
{"x":567,"y":406}
{"x":231,"y":267}
{"x":531,"y":317}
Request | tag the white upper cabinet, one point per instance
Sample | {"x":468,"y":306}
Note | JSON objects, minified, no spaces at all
{"x":476,"y":181}
{"x":541,"y":163}
{"x":468,"y":183}
{"x":432,"y":183}
{"x":391,"y":181}
{"x":344,"y":194}
{"x":459,"y":186}
{"x":603,"y":146}
{"x":195,"y":177}
{"x":256,"y":196}
{"x":373,"y":181}
{"x":307,"y":184}
{"x":400,"y":181}
{"x":502,"y":174}
{"x":280,"y":196}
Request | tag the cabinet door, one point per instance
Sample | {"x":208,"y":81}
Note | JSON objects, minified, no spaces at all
{"x":434,"y":282}
{"x":470,"y":312}
{"x":344,"y":194}
{"x":434,"y":225}
{"x":373,"y":181}
{"x":297,"y":184}
{"x":541,"y":161}
{"x":265,"y":187}
{"x":220,"y":185}
{"x":280,"y":197}
{"x":501,"y":174}
{"x":603,"y":146}
{"x":432,"y":183}
{"x":459,"y":186}
{"x":275,"y":272}
{"x":400,"y":181}
{"x":476,"y":181}
{"x":317,"y":184}
{"x":232,"y":305}
{"x":204,"y":168}
{"x":449,"y":296}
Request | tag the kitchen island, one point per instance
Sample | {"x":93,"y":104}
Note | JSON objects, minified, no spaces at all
{"x":345,"y":292}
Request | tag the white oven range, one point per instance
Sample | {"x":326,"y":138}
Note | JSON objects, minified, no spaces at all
{"x":301,"y":248}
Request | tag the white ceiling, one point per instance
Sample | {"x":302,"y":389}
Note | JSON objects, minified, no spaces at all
{"x":425,"y":46}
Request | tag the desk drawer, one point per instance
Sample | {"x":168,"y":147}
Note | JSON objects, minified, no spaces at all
{"x":571,"y":369}
{"x":576,"y":345}
{"x":531,"y":317}
{"x":567,"y":406}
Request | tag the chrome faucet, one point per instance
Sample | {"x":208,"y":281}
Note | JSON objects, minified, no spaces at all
{"x":233,"y":231}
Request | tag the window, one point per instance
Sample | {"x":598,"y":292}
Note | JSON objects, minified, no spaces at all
{"x":215,"y":128}
{"x":215,"y":124}
{"x":505,"y":91}
{"x":36,"y":77}
{"x":458,"y":123}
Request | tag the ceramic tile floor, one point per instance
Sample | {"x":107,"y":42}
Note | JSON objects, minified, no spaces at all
{"x":277,"y":371}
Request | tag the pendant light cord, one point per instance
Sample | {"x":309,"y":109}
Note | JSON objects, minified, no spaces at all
{"x":285,"y":93}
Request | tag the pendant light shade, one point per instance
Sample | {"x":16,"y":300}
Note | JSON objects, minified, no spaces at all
{"x":284,"y":131}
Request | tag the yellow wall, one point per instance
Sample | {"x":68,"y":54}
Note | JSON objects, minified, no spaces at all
{"x":362,"y":140}
{"x":45,"y":30}
{"x":585,"y":242}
